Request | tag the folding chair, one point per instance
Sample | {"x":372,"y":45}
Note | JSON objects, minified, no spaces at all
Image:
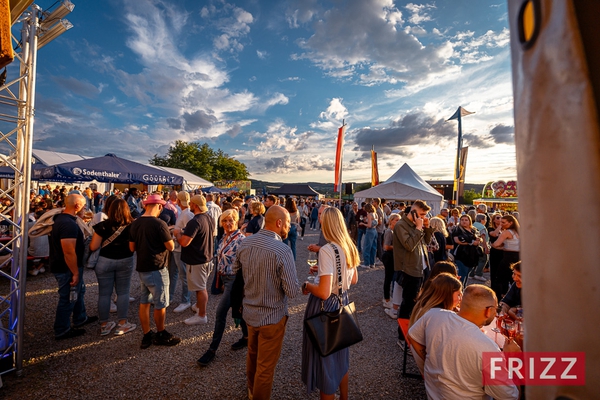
{"x":403,"y":324}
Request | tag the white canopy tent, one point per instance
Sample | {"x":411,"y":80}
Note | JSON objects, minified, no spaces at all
{"x":404,"y":185}
{"x":190,"y":181}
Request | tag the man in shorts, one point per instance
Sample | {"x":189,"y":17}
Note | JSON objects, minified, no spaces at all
{"x":197,"y":245}
{"x":151,"y":240}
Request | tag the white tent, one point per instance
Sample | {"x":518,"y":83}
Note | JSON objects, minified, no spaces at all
{"x":190,"y":181}
{"x":404,"y":185}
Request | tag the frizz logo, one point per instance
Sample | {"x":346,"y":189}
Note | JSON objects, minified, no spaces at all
{"x":534,"y":368}
{"x":77,"y":171}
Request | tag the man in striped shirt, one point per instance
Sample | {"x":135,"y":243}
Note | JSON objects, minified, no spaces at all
{"x":269,"y":279}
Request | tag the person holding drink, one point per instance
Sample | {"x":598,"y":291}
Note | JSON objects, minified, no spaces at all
{"x":329,"y":373}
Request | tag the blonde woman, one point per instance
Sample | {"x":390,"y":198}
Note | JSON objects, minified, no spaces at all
{"x":441,"y":235}
{"x":329,"y":373}
{"x":466,"y":239}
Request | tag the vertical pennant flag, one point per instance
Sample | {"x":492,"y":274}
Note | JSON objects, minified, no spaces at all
{"x":460,"y":112}
{"x":463,"y":168}
{"x":338,"y":159}
{"x":374,"y":170}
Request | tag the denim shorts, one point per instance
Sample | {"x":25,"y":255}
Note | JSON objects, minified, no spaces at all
{"x":155,"y":288}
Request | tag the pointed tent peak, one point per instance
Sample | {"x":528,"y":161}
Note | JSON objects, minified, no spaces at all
{"x":460,"y":112}
{"x":408,"y":176}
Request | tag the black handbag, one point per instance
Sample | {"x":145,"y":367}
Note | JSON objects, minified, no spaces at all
{"x":331,"y":331}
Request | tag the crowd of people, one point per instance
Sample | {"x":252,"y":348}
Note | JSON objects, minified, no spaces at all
{"x":178,"y":238}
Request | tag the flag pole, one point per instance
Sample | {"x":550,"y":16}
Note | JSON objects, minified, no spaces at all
{"x":458,"y":150}
{"x":342,"y":163}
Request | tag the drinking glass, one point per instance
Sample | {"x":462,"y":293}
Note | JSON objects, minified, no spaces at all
{"x":312,"y":261}
{"x":510,"y":328}
{"x":499,"y":318}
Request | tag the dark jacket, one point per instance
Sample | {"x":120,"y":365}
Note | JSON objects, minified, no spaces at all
{"x":407,"y":239}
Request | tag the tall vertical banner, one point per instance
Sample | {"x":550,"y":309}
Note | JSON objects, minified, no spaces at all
{"x":338,"y":159}
{"x":460,"y":112}
{"x":463,"y":168}
{"x":374,"y":170}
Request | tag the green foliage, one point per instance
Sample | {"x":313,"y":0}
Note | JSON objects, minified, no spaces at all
{"x":201,"y":160}
{"x":362,"y":186}
{"x":469,"y":196}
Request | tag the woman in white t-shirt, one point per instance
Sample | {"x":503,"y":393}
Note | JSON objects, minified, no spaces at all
{"x":329,"y":373}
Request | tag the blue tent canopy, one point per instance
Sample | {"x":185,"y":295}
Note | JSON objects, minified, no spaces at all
{"x":109,"y":168}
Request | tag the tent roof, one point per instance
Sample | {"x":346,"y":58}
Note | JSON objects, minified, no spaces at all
{"x":295,"y":189}
{"x":189,"y":178}
{"x":53,"y":157}
{"x":109,"y":168}
{"x":405,"y":184}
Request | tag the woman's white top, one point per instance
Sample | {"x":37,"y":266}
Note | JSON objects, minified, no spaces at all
{"x":512,"y":244}
{"x":327,"y":266}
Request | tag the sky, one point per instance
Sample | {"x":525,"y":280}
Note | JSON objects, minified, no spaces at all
{"x":270,"y":82}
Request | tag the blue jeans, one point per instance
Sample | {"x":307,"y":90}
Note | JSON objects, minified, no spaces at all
{"x":463,"y":272}
{"x":221,"y":314}
{"x":64,"y":309}
{"x":361,"y":233}
{"x":370,"y":246}
{"x":113,"y":273}
{"x":155,"y":288}
{"x":177,"y":270}
{"x":291,"y":239}
{"x":483,"y":260}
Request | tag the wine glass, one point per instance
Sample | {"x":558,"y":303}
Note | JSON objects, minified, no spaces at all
{"x":499,"y":318}
{"x":312,"y":261}
{"x":510,"y":328}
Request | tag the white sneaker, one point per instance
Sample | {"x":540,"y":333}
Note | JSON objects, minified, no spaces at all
{"x":363,"y":266}
{"x":182,"y":307}
{"x":393,"y":314}
{"x":378,"y":262}
{"x":194,"y":308}
{"x":387,"y":304}
{"x":113,"y":307}
{"x":196,"y":320}
{"x":479,"y":278}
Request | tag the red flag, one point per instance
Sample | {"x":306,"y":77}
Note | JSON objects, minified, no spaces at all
{"x":374,"y":170}
{"x":338,"y":160}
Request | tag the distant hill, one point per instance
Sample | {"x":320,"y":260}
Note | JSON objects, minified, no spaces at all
{"x":323,"y":188}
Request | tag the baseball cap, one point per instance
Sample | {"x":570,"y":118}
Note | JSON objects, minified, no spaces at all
{"x":184,"y":198}
{"x":154,"y":199}
{"x":248,"y":197}
{"x":200,"y":201}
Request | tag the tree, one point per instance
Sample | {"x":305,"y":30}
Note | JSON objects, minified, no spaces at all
{"x":469,"y":196}
{"x":201,"y":160}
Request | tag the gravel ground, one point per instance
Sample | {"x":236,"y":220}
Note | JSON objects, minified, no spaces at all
{"x":96,"y":367}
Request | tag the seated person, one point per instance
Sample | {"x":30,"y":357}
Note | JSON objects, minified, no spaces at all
{"x":452,"y":345}
{"x":512,"y":299}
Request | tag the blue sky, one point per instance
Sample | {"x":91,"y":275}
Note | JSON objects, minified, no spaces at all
{"x":269,"y":82}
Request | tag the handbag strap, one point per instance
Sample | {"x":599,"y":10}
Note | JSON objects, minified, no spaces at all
{"x":113,"y":236}
{"x":338,"y":265}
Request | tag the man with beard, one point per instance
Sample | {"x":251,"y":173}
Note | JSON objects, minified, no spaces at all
{"x":452,"y":345}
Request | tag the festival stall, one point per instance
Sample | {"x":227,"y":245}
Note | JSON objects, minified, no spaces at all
{"x":499,"y":195}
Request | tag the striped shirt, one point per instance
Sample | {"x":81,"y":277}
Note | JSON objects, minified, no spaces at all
{"x":269,"y":277}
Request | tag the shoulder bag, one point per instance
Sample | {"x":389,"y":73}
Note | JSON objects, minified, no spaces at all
{"x":94,"y":255}
{"x":335,"y":330}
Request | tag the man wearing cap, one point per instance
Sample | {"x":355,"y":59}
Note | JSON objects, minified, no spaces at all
{"x":177,"y":267}
{"x":150,"y":238}
{"x":197,"y":243}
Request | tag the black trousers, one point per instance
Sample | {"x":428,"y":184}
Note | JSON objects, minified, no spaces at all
{"x":410,"y":289}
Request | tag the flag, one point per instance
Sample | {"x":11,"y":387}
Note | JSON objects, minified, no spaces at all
{"x":374,"y":171}
{"x":338,"y":160}
{"x":463,"y":168}
{"x":462,"y":112}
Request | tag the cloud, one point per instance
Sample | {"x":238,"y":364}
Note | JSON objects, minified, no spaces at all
{"x":234,"y":26}
{"x":280,"y":137}
{"x":234,"y":130}
{"x":277,"y":98}
{"x":503,"y":134}
{"x":366,"y":34}
{"x":476,"y":141}
{"x":301,"y":12}
{"x":198,"y":120}
{"x":415,"y":128}
{"x":174,"y":123}
{"x":419,"y":12}
{"x":262,"y":54}
{"x":332,"y":117}
{"x":78,"y":87}
{"x":287,"y":164}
